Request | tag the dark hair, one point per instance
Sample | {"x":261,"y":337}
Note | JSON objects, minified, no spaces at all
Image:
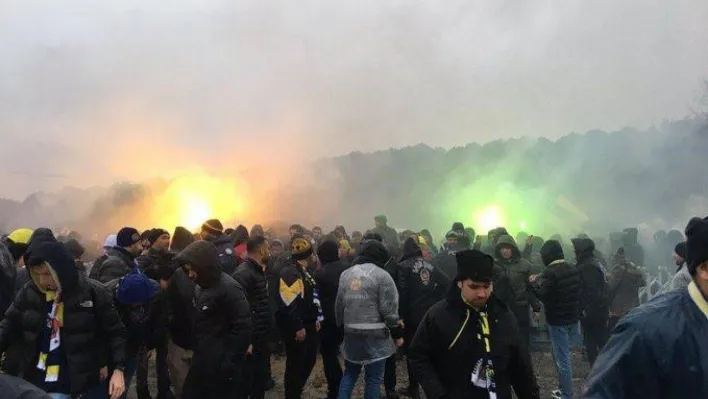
{"x":254,"y":244}
{"x":298,"y":228}
{"x":372,"y":236}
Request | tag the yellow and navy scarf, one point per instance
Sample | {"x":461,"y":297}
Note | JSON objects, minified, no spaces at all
{"x":49,"y":356}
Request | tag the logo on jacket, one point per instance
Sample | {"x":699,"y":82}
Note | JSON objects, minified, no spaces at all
{"x":86,"y":304}
{"x":355,"y":285}
{"x":424,"y":276}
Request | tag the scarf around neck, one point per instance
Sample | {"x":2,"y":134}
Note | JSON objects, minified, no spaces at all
{"x":49,"y":356}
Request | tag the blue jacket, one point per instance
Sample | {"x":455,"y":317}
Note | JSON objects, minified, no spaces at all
{"x":658,"y":350}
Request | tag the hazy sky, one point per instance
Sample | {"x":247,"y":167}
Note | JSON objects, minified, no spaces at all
{"x":95,"y":90}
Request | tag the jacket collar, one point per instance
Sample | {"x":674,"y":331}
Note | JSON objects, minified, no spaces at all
{"x":698,"y":298}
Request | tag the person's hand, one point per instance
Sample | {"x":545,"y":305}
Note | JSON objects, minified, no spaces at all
{"x":103,"y":373}
{"x":399,"y":342}
{"x":529,"y":240}
{"x":300,"y":335}
{"x":116,"y":387}
{"x":401,"y":324}
{"x":533,"y":278}
{"x":249,"y":351}
{"x":318,"y":325}
{"x":536,"y":317}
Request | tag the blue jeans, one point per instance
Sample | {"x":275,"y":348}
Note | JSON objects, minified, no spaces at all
{"x":561,"y":339}
{"x":373,"y":378}
{"x":59,"y":395}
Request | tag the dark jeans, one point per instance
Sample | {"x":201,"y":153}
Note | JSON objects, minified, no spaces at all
{"x":163,"y":375}
{"x":256,"y":373}
{"x":413,"y":388}
{"x":301,"y":358}
{"x":330,"y":340}
{"x":390,"y":374}
{"x":595,"y":336}
{"x":523,"y":318}
{"x":373,"y":377}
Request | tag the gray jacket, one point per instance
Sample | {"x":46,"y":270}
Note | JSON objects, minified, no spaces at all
{"x":366,"y":307}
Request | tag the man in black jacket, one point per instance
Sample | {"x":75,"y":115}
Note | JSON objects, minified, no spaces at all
{"x":327,"y":278}
{"x":251,"y":275}
{"x":180,"y":297}
{"x":60,"y":299}
{"x":420,"y":286}
{"x":222,"y":326}
{"x":213,"y":231}
{"x":559,"y":290}
{"x":298,"y":316}
{"x":594,"y":307}
{"x":468,"y":346}
{"x":121,"y":258}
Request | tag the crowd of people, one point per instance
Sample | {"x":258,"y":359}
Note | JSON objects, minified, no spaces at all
{"x":211,"y":308}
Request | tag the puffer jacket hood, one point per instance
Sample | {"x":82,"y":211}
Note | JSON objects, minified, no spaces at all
{"x":181,"y":239}
{"x":240,"y":235}
{"x":411,"y":249}
{"x":551,"y":251}
{"x":374,"y":252}
{"x":584,"y":248}
{"x":61,"y":265}
{"x":39,"y":236}
{"x":509,"y":241}
{"x":203,"y":257}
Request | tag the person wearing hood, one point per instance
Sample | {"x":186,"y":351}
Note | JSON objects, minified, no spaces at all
{"x":17,"y":243}
{"x":682,"y":278}
{"x":181,"y":238}
{"x":327,"y":278}
{"x":468,"y":346}
{"x":11,"y":250}
{"x":58,"y":325}
{"x":420,"y":286}
{"x":121,"y":258}
{"x":39,"y":236}
{"x":213,"y":232}
{"x":239,"y":238}
{"x":134,"y":298}
{"x":559,"y":290}
{"x":298,"y":316}
{"x":512,"y":275}
{"x":222,"y":326}
{"x":659,"y":350}
{"x":158,"y":265}
{"x":594,"y":307}
{"x":367,"y":309}
{"x":251,"y":275}
{"x":180,"y":302}
{"x":449,"y":247}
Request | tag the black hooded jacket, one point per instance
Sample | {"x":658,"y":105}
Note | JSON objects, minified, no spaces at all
{"x":327,"y":278}
{"x":558,"y":287}
{"x":420,"y":285}
{"x":225,"y":249}
{"x":222,"y":325}
{"x":252,"y":278}
{"x":446,"y":348}
{"x":38,"y":236}
{"x":91,"y":324}
{"x":180,"y":297}
{"x":594,"y":289}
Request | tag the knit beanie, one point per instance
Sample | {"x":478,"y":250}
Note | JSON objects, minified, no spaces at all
{"x":680,"y":249}
{"x":127,"y":237}
{"x":135,"y":289}
{"x":155,"y":234}
{"x":213,"y":227}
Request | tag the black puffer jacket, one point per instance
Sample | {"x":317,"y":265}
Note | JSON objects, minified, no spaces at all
{"x":558,"y":287}
{"x":594,"y":289}
{"x":119,"y":263}
{"x":8,"y":272}
{"x":222,"y":324}
{"x":444,"y":369}
{"x":91,"y":324}
{"x":420,"y":285}
{"x":252,"y":278}
{"x":327,"y":278}
{"x":180,"y":297}
{"x":17,"y":388}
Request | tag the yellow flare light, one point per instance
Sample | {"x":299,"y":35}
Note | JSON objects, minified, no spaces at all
{"x":489,"y":218}
{"x":191,"y":200}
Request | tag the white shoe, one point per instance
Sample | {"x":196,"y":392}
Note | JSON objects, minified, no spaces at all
{"x":557,"y":394}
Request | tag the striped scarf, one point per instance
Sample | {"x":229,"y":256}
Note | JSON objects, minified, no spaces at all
{"x":315,"y":294}
{"x":483,"y":374}
{"x":49,"y":356}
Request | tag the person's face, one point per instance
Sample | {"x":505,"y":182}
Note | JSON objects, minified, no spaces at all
{"x":678,"y":260}
{"x":317,"y":233}
{"x":44,"y":278}
{"x":475,"y":293}
{"x":136,"y":249}
{"x":452,"y":241}
{"x":190,"y":272}
{"x":378,"y":224}
{"x":276,"y":250}
{"x":164,"y":284}
{"x":163,"y":242}
{"x":505,"y":252}
{"x":356,"y":239}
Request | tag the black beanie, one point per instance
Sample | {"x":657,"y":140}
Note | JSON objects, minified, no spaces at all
{"x":696,"y":244}
{"x":154,"y":234}
{"x":551,"y":251}
{"x":680,"y":249}
{"x":328,"y":252}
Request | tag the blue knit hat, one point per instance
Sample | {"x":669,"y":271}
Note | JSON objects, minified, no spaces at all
{"x":135,"y":289}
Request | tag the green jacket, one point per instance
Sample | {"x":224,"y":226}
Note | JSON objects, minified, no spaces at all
{"x":512,"y":276}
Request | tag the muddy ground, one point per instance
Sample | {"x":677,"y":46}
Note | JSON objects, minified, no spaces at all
{"x":317,"y":386}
